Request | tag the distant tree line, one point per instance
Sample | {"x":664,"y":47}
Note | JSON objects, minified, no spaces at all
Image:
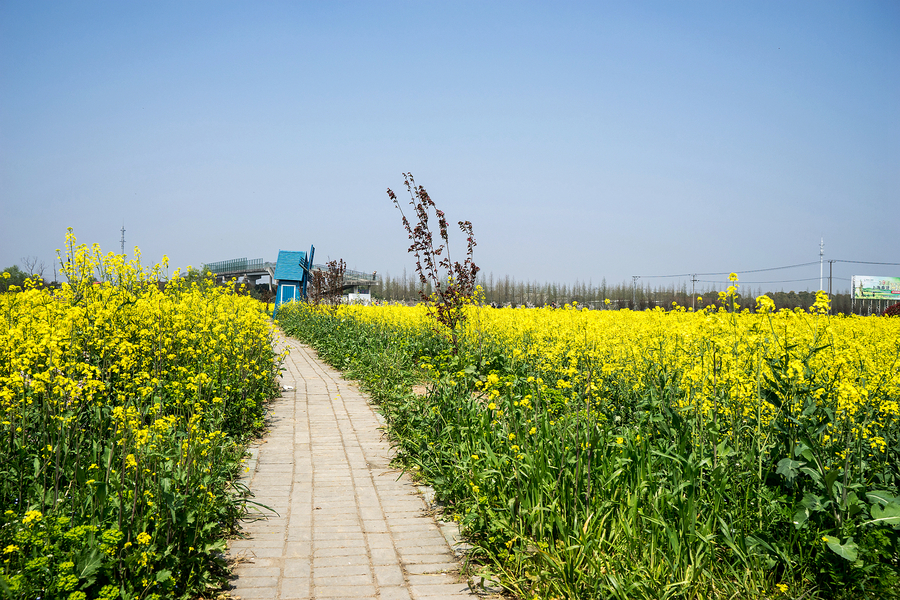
{"x":507,"y":291}
{"x":15,"y":276}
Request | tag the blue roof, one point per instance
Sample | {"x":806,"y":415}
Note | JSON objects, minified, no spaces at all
{"x":290,"y":265}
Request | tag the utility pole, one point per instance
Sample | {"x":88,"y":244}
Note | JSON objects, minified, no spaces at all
{"x":693,"y":294}
{"x":821,"y":255}
{"x":830,"y":273}
{"x":634,"y":279}
{"x":122,"y":241}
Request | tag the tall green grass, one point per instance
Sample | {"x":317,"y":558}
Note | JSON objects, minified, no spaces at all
{"x":637,"y":499}
{"x":125,"y":410}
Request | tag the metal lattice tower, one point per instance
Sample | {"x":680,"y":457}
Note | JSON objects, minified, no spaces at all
{"x":122,"y":241}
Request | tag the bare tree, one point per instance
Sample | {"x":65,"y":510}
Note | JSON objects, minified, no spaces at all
{"x":33,"y":266}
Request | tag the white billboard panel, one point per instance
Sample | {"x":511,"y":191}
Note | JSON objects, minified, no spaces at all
{"x":869,"y":287}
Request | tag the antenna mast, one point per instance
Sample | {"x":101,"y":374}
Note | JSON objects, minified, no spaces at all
{"x":122,"y":241}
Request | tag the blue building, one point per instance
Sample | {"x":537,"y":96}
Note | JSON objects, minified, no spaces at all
{"x":292,"y":274}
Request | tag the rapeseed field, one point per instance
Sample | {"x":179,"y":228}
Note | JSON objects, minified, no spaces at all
{"x":123,"y":407}
{"x":656,"y":454}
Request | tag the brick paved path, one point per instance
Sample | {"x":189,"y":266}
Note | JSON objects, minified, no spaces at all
{"x":346,"y":527}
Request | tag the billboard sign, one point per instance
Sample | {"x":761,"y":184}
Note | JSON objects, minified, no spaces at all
{"x":867,"y":287}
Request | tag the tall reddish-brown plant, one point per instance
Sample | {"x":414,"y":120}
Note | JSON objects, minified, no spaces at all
{"x":328,"y":286}
{"x":452,"y":282}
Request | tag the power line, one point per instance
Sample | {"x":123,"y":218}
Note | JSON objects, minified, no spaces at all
{"x":662,"y":276}
{"x":763,"y":270}
{"x":807,"y":264}
{"x":867,"y":262}
{"x":761,"y":282}
{"x":729,"y":272}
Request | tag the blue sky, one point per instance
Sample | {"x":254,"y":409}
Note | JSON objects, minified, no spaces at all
{"x":583,"y":140}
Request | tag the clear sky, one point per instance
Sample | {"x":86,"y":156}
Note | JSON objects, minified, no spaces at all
{"x":582,"y":139}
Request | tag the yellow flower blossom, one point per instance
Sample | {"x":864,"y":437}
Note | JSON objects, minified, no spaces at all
{"x":32,"y":516}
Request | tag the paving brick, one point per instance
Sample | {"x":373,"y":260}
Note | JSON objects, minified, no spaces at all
{"x":370,"y":509}
{"x":427,"y":559}
{"x":248,"y":571}
{"x":271,"y":535}
{"x":343,"y":536}
{"x":432,"y":579}
{"x":262,"y":525}
{"x":255,"y":542}
{"x":344,"y":560}
{"x":300,"y":520}
{"x":428,"y":543}
{"x":295,"y":588}
{"x":440,"y":590}
{"x":297,"y":567}
{"x":251,"y":581}
{"x":383,"y":556}
{"x":251,"y":593}
{"x":343,"y":590}
{"x":375,"y":526}
{"x":298,"y":549}
{"x":388,"y":575}
{"x":394,"y":593}
{"x":420,"y":527}
{"x":347,"y":525}
{"x":344,"y":574}
{"x":299,"y":534}
{"x":425,"y":568}
{"x":344,"y":517}
{"x":260,"y":562}
{"x":330,"y":582}
{"x":262,"y":552}
{"x":339,"y":551}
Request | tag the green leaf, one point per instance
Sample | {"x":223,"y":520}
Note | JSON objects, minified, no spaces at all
{"x":814,"y":350}
{"x":215,"y":546}
{"x":881,"y":496}
{"x":889,"y":515}
{"x":724,"y":450}
{"x":163,"y":575}
{"x":853,"y":504}
{"x":814,"y":475}
{"x":80,"y":475}
{"x":814,"y":503}
{"x":788,"y":468}
{"x":800,"y":517}
{"x":848,"y":550}
{"x":101,"y":491}
{"x":830,"y":477}
{"x":86,"y":566}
